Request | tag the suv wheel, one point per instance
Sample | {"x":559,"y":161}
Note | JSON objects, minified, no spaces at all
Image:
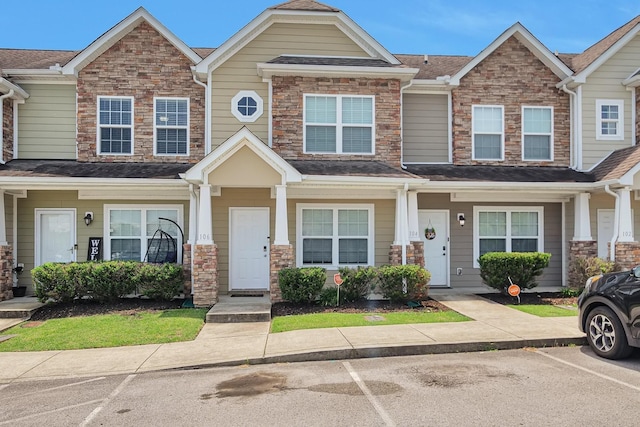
{"x":605,"y":334}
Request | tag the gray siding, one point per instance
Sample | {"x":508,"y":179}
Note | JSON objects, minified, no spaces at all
{"x":425,"y":128}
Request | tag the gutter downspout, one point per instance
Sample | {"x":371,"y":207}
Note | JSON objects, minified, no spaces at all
{"x":574,"y":125}
{"x":207,"y":112}
{"x":2,"y":98}
{"x":402,"y":165}
{"x":616,"y":223}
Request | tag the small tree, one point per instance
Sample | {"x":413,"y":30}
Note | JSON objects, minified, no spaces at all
{"x":522,"y":267}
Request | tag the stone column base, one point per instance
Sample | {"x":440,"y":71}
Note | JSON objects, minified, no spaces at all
{"x":6,"y":272}
{"x":415,"y":254}
{"x":627,"y":254}
{"x":186,"y":268}
{"x":418,"y":253}
{"x":281,"y":257}
{"x":395,"y":255}
{"x":580,"y":249}
{"x":205,"y":275}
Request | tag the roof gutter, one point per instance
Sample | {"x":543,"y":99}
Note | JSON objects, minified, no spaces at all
{"x":207,"y":109}
{"x":575,"y":126}
{"x":2,"y":98}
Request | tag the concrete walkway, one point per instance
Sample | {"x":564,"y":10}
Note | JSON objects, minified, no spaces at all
{"x":222,"y":344}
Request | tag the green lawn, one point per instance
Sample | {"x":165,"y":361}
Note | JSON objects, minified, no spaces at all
{"x":334,"y":320}
{"x":113,"y":330}
{"x":541,"y":310}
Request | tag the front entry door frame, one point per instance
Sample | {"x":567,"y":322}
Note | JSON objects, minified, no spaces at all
{"x":67,"y":249}
{"x":440,"y":276}
{"x":249,"y":241}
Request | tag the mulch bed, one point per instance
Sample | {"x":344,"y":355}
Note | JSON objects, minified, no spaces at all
{"x":367,"y":306}
{"x":124,"y":306}
{"x":533,"y":298}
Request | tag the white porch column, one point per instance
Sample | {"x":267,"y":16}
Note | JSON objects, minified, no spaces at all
{"x":205,"y":227}
{"x":412,"y":203}
{"x":625,"y":231}
{"x":282,"y":225}
{"x":3,"y":224}
{"x":193,"y":215}
{"x":582,"y":218}
{"x":402,"y":225}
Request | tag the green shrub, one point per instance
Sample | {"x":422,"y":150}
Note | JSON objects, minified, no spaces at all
{"x":51,"y":281}
{"x":110,"y":280}
{"x":301,"y":285}
{"x":393,"y":278}
{"x":328,"y":297}
{"x":160,"y":281}
{"x":584,"y":267}
{"x":357,"y":283}
{"x":522,"y":267}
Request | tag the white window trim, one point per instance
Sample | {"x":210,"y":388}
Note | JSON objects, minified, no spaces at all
{"x":339,"y":125}
{"x":473,"y":133}
{"x":259,"y":107}
{"x":619,"y":136}
{"x":335,"y":208}
{"x":155,"y":126}
{"x":99,"y":126}
{"x":551,"y":134}
{"x":508,"y":210}
{"x":143,"y":247}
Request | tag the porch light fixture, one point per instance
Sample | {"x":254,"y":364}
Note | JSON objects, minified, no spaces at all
{"x":88,"y":218}
{"x":461,"y":219}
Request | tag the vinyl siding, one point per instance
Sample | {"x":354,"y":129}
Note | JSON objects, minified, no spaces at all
{"x":239,"y":72}
{"x":47,"y":122}
{"x":8,"y":217}
{"x":604,"y":83}
{"x":461,"y":239}
{"x":425,"y":128}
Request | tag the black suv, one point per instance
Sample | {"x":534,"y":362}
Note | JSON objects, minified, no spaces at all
{"x":610,"y":313}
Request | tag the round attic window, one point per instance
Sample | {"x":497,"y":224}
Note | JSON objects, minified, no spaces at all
{"x":246,"y":106}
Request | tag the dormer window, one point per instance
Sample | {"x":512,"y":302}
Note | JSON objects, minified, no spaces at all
{"x":246,"y":106}
{"x":610,"y":119}
{"x":339,"y":124}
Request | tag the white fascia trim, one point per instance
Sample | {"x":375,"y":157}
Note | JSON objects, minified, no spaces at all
{"x":560,"y":187}
{"x":632,"y":81}
{"x":108,"y":39}
{"x":18,"y":93}
{"x":267,"y":71}
{"x":254,"y":28}
{"x":530,"y":41}
{"x":365,"y":180}
{"x":36,"y":182}
{"x":423,"y":86}
{"x":581,"y":77}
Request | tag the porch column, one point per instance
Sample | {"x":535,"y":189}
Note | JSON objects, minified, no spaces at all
{"x":582,"y":219}
{"x":398,"y":250}
{"x":205,"y":228}
{"x":3,"y":224}
{"x":205,"y":255}
{"x":282,"y":225}
{"x":412,"y":206}
{"x":625,"y":221}
{"x":6,"y":257}
{"x":193,"y":215}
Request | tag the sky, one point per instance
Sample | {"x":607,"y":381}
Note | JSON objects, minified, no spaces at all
{"x":435,"y":27}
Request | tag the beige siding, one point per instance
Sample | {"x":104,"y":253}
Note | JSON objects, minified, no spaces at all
{"x":240,"y":72}
{"x":604,"y":83}
{"x":47,"y":122}
{"x":461,"y":239}
{"x":8,"y":216}
{"x":425,"y":128}
{"x":69,"y":199}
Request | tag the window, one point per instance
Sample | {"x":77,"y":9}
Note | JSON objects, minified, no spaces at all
{"x":332,"y":236}
{"x":537,"y":133}
{"x":246,"y":106}
{"x":338,"y":124}
{"x":171,"y":125}
{"x":115,"y":125}
{"x":609,"y":119}
{"x":130,"y":232}
{"x":488,"y":132}
{"x":517,"y":229}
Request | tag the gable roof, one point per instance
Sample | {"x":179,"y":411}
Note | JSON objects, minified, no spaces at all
{"x":617,"y":164}
{"x":523,"y":35}
{"x":582,"y":61}
{"x":34,"y":59}
{"x":304,"y":5}
{"x":108,"y":39}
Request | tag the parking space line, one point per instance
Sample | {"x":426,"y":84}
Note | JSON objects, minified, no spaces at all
{"x":39,"y":414}
{"x":372,"y":399}
{"x":13,"y":397}
{"x":106,"y":401}
{"x":597,"y":374}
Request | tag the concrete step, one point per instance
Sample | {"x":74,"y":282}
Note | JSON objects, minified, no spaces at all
{"x":239,"y":309}
{"x":19,"y":308}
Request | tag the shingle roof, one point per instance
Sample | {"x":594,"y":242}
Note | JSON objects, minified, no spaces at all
{"x":582,"y":61}
{"x":498,"y":173}
{"x":343,"y":62}
{"x":304,"y":5}
{"x":74,"y":169}
{"x":617,"y":163}
{"x":34,"y":59}
{"x":365,"y":168}
{"x":436,"y":65}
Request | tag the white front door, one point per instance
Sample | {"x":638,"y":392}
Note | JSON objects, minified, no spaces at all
{"x":606,"y":221}
{"x":55,"y":235}
{"x":249,"y":249}
{"x":434,"y":232}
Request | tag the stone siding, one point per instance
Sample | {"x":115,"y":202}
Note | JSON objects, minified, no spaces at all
{"x":205,"y":275}
{"x":281,"y":257}
{"x":144,"y":65}
{"x":288,"y":121}
{"x":627,"y":255}
{"x":6,"y":272}
{"x":7,"y":129}
{"x":186,"y":268}
{"x":513,"y":77}
{"x":577,"y":249}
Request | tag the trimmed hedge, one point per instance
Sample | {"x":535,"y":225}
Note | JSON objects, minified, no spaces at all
{"x":105,"y":281}
{"x":301,"y":285}
{"x":583,"y":267}
{"x":522,"y":267}
{"x":392,"y":280}
{"x":357,"y":283}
